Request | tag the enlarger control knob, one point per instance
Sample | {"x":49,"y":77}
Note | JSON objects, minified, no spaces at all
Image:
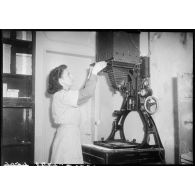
{"x":146,"y":83}
{"x":151,"y":104}
{"x":143,"y":92}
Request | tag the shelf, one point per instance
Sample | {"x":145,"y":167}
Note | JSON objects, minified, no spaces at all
{"x":23,"y":102}
{"x":17,"y":42}
{"x":15,"y":142}
{"x":9,"y":75}
{"x":20,"y":46}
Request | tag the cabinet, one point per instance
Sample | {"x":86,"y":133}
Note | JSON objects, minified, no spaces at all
{"x":17,"y":136}
{"x":185,"y":118}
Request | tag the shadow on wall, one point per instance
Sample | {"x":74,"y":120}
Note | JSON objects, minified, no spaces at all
{"x":53,"y":124}
{"x":183,"y":37}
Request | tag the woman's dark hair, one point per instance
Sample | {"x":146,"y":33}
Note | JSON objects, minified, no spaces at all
{"x":55,"y":74}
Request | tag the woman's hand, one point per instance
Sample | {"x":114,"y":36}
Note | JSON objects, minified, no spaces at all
{"x":98,"y":67}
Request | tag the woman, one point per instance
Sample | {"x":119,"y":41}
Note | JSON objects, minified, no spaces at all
{"x":66,"y":147}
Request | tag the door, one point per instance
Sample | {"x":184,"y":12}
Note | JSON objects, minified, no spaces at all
{"x":78,"y":66}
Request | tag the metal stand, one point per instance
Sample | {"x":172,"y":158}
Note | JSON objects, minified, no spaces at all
{"x":148,"y":122}
{"x":129,"y":80}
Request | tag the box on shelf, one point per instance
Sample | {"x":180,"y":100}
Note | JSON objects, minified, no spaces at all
{"x":24,"y":35}
{"x":4,"y":89}
{"x":6,"y":58}
{"x":6,"y":34}
{"x":12,"y":93}
{"x":23,"y":63}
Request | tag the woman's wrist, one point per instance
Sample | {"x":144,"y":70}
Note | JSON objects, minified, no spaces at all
{"x":93,"y":71}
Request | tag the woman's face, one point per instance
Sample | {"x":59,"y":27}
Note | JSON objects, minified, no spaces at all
{"x":66,"y":79}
